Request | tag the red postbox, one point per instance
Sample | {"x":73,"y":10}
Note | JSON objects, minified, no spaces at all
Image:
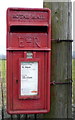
{"x":28,"y":60}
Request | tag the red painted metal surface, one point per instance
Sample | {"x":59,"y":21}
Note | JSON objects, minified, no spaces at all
{"x":28,"y":30}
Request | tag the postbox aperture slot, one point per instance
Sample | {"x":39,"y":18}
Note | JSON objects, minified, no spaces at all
{"x":28,"y":29}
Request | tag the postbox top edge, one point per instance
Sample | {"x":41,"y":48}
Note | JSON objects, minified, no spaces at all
{"x":28,"y":18}
{"x":28,"y":9}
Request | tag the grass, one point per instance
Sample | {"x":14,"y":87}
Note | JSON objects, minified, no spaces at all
{"x":3,"y":80}
{"x":3,"y":68}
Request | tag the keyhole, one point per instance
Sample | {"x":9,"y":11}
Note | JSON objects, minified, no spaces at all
{"x":16,"y":81}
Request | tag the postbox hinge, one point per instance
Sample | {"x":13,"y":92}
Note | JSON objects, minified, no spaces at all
{"x":61,"y":83}
{"x":59,"y":40}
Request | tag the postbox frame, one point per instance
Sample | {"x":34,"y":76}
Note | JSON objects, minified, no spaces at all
{"x":11,"y":51}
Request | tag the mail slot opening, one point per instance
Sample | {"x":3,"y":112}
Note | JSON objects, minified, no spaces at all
{"x":28,"y":29}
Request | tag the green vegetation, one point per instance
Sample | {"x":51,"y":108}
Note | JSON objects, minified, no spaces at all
{"x":3,"y":69}
{"x":3,"y":81}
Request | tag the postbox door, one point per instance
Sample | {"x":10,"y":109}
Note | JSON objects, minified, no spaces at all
{"x":28,"y":76}
{"x":27,"y":102}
